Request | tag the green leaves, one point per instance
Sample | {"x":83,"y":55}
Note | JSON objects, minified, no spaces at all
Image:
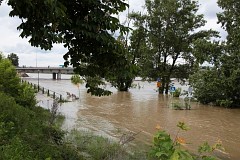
{"x":84,"y":27}
{"x":182,"y":126}
{"x":205,"y":148}
{"x":13,"y":58}
{"x":170,"y":28}
{"x":26,"y":97}
{"x":10,"y":85}
{"x":93,"y":83}
{"x":181,"y":155}
{"x":9,"y":81}
{"x":163,"y":146}
{"x":75,"y":79}
{"x":218,"y":85}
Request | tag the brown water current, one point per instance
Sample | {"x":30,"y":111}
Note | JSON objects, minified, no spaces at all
{"x":140,"y":110}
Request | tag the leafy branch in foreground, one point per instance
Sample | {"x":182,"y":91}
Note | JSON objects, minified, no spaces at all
{"x":165,"y":148}
{"x":84,"y":27}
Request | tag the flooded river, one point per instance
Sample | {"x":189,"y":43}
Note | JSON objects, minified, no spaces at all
{"x":140,"y":110}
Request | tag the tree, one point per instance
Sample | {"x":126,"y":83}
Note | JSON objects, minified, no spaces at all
{"x":171,"y":32}
{"x":9,"y":81}
{"x":230,"y":68}
{"x":220,"y":84}
{"x":10,"y":85}
{"x":125,"y":67}
{"x":1,"y":55}
{"x":126,"y":70}
{"x":85,"y":28}
{"x":139,"y":44}
{"x":76,"y":80}
{"x":14,"y":59}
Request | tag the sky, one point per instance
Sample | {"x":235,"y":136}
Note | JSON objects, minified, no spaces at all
{"x":10,"y":42}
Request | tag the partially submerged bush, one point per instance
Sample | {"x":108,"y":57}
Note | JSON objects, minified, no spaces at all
{"x":91,"y":146}
{"x":177,"y":92}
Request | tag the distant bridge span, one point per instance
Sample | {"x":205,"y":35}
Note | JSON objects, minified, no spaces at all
{"x":55,"y":71}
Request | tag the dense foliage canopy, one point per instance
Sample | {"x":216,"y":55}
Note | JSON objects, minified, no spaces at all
{"x":10,"y":85}
{"x":84,"y":27}
{"x":171,"y":34}
{"x":14,"y":59}
{"x":220,"y":84}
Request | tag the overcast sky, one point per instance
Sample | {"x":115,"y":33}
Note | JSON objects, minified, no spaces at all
{"x":10,"y":42}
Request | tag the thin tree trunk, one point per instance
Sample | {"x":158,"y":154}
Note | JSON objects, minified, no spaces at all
{"x":161,"y":89}
{"x":170,"y":73}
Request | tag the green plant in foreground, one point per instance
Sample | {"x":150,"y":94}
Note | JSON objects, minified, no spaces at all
{"x":205,"y":150}
{"x":165,"y":148}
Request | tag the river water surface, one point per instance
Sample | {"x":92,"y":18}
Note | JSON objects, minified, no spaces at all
{"x":141,"y":110}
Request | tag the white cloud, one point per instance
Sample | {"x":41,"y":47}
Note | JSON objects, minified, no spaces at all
{"x":41,"y":60}
{"x":209,"y":8}
{"x":10,"y":42}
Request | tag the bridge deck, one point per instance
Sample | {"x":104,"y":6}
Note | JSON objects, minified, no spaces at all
{"x":50,"y":70}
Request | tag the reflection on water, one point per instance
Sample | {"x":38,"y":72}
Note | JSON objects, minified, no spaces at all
{"x":141,"y":110}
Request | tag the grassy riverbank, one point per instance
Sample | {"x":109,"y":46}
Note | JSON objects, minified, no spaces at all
{"x":29,"y":132}
{"x":35,"y":133}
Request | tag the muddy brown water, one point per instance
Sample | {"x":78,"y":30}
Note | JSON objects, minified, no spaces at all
{"x":140,"y":110}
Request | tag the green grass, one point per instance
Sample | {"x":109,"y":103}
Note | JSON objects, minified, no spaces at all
{"x":93,"y":147}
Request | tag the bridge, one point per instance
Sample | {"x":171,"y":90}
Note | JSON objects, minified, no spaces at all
{"x":55,"y":71}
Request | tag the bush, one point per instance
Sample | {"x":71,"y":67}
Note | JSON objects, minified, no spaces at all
{"x":216,"y":87}
{"x":224,"y":103}
{"x":26,"y":133}
{"x":9,"y":81}
{"x":177,"y":92}
{"x":91,"y":146}
{"x":10,"y":85}
{"x":177,"y":106}
{"x":26,"y":96}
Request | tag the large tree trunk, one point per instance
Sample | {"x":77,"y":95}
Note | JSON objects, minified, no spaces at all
{"x":162,"y":87}
{"x":167,"y":84}
{"x":170,"y":73}
{"x":124,"y":85}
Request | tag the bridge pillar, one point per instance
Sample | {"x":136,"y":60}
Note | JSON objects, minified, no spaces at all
{"x":59,"y":75}
{"x":54,"y":76}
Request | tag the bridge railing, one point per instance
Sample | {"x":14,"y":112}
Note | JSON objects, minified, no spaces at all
{"x":50,"y":93}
